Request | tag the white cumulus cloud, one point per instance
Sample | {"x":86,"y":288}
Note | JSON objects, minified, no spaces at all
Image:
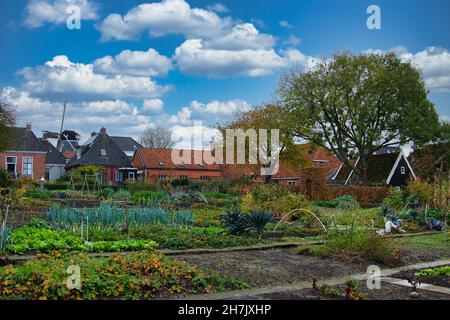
{"x":136,"y":63}
{"x":152,"y":105}
{"x":193,"y":58}
{"x":39,"y":12}
{"x":160,"y":18}
{"x":62,"y":79}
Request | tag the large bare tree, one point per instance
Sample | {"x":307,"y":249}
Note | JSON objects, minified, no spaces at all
{"x":7,"y":121}
{"x":157,"y":137}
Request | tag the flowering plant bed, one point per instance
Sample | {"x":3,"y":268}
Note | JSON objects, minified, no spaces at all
{"x":143,"y":275}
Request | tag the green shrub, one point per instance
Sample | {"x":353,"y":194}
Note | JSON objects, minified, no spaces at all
{"x":345,"y":202}
{"x":235,"y":221}
{"x":143,"y":196}
{"x":37,"y":193}
{"x":122,"y":195}
{"x":395,"y":199}
{"x":216,"y":195}
{"x":258,"y":220}
{"x":366,"y":244}
{"x":5,"y":178}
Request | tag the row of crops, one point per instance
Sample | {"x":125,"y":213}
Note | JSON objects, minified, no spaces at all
{"x":112,"y":216}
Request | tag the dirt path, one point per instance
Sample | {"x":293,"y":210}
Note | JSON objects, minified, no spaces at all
{"x":272,"y":267}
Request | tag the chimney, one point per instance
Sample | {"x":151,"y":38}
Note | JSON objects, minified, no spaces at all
{"x":28,"y":127}
{"x":93,"y":134}
{"x":45,"y":135}
{"x":103,"y":130}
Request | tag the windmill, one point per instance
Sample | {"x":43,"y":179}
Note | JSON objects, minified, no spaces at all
{"x":58,"y":144}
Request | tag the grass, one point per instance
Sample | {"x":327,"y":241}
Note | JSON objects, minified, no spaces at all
{"x":435,"y":240}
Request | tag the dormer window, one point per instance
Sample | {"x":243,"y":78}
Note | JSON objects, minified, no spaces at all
{"x":103,"y":152}
{"x":161,"y":164}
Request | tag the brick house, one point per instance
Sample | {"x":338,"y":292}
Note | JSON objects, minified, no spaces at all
{"x":26,"y":157}
{"x":157,"y":164}
{"x":101,"y":150}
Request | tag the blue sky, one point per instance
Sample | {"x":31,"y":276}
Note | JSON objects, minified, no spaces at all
{"x":173,"y":62}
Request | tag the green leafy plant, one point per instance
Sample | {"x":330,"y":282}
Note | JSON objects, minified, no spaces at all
{"x":395,"y":199}
{"x":235,"y":221}
{"x":142,"y":275}
{"x":258,"y":220}
{"x":435,"y":272}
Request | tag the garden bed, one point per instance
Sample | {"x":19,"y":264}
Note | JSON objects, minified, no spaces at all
{"x":144,"y":275}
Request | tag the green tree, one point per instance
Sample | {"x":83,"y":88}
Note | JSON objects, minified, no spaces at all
{"x":359,"y":104}
{"x":268,"y":117}
{"x":7,"y":121}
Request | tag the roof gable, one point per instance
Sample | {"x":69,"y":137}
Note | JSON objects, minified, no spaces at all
{"x":101,"y":151}
{"x":53,"y":156}
{"x":126,"y":143}
{"x":25,"y":140}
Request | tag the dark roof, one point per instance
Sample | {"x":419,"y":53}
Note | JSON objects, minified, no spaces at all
{"x":91,"y":153}
{"x":379,"y":167}
{"x":25,"y":140}
{"x":126,"y":143}
{"x":53,"y":156}
{"x":71,"y":135}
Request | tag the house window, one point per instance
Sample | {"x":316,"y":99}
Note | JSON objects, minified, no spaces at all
{"x":131,"y":175}
{"x":118,"y":176}
{"x":162,"y":177}
{"x":27,"y":166}
{"x":204,"y":178}
{"x":183,"y":177}
{"x":103,"y":152}
{"x":403,"y":170}
{"x":292,"y":183}
{"x":11,"y":163}
{"x":161,"y":164}
{"x":47,"y":173}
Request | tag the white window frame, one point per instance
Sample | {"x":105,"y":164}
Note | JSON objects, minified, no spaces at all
{"x":292,"y":183}
{"x":14,"y":163}
{"x":103,"y":152}
{"x":117,"y":176}
{"x":403,"y":170}
{"x":131,"y":175}
{"x":23,"y":166}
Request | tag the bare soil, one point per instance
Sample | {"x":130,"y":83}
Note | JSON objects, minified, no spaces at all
{"x":387,"y":292}
{"x":273,"y":267}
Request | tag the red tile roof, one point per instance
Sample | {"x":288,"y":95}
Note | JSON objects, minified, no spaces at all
{"x":152,"y":157}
